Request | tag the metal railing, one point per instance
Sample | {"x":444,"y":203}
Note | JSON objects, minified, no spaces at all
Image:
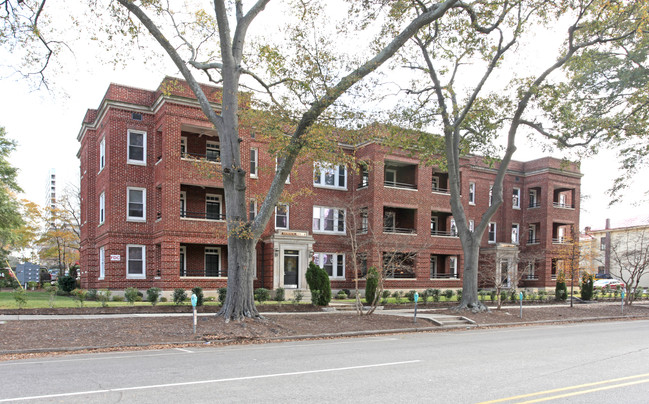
{"x":444,"y":276}
{"x":563,"y":205}
{"x":403,"y":185}
{"x":201,"y":215}
{"x":197,"y":156}
{"x":440,"y":233}
{"x":531,"y":278}
{"x":559,"y":240}
{"x":441,"y":190}
{"x":534,"y":205}
{"x":533,"y":241}
{"x":398,"y":230}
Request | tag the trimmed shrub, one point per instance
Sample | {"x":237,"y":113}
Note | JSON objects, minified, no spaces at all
{"x":200,"y":297}
{"x":92,"y":294}
{"x":410,"y":295}
{"x":315,"y":297}
{"x":280,"y":295}
{"x":397,"y":296}
{"x":435,"y":293}
{"x":448,"y":294}
{"x":103,"y":296}
{"x":348,"y":292}
{"x":118,"y":298}
{"x":586,"y":286}
{"x":131,"y":294}
{"x":371,"y":283}
{"x":385,"y":295}
{"x":67,"y":284}
{"x":561,"y":291}
{"x":179,"y":296}
{"x":20,"y":296}
{"x":79,"y":296}
{"x":163,"y":299}
{"x":341,"y":295}
{"x":297,"y":297}
{"x":223,"y":292}
{"x":262,"y":295}
{"x":152,"y":295}
{"x":318,"y":279}
{"x":458,"y":293}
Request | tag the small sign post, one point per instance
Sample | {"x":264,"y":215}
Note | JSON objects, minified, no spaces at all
{"x":416,"y":296}
{"x":520,"y":296}
{"x":623,"y":290}
{"x":194,"y":300}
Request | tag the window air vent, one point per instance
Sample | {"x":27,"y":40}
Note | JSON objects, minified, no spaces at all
{"x":137,"y":116}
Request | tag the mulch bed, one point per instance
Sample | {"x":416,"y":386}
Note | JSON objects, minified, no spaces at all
{"x":119,"y":333}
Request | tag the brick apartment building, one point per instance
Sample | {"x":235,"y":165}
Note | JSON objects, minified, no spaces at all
{"x":152,"y":217}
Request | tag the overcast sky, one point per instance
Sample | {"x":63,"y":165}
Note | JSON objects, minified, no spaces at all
{"x":46,"y":126}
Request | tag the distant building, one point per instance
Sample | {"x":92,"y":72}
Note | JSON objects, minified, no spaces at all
{"x":50,"y":189}
{"x":614,"y":248}
{"x":150,"y":217}
{"x":27,"y":272}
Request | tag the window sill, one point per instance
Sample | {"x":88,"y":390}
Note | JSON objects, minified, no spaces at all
{"x":135,"y":276}
{"x":100,"y":279}
{"x":331,"y":233}
{"x":203,"y":277}
{"x":254,"y":176}
{"x":329,"y":187}
{"x":135,"y":219}
{"x":136,"y":163}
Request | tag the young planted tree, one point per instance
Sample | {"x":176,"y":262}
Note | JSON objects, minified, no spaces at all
{"x":301,"y":80}
{"x":458,"y":64}
{"x":630,"y":258}
{"x":568,"y":253}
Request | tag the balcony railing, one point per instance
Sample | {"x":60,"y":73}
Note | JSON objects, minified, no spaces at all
{"x":441,"y":190}
{"x":531,"y":278}
{"x":201,"y":215}
{"x":444,"y":276}
{"x":559,"y":240}
{"x":440,"y":233}
{"x":197,"y":156}
{"x":399,"y":185}
{"x":534,"y":205}
{"x":563,"y":205}
{"x":533,"y":241}
{"x":398,"y":230}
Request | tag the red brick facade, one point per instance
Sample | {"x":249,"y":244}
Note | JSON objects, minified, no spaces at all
{"x":177,"y":210}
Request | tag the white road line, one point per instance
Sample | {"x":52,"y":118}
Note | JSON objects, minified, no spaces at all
{"x":232,"y":379}
{"x":184,"y":350}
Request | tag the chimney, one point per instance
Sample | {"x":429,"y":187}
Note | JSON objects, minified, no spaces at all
{"x":608,"y":224}
{"x":587,"y":230}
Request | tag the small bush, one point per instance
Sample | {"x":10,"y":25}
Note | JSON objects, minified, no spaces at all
{"x":561,"y":291}
{"x":315,"y":297}
{"x":92,"y":294}
{"x":20,"y":296}
{"x":371,"y":284}
{"x":67,"y":284}
{"x":152,"y":295}
{"x":262,"y":295}
{"x":297,"y":297}
{"x":318,"y":279}
{"x":163,"y":300}
{"x":223,"y":292}
{"x":79,"y":296}
{"x":32,"y":285}
{"x":179,"y":296}
{"x":341,"y":295}
{"x":482,"y":295}
{"x":410,"y":295}
{"x":448,"y":294}
{"x":492,"y":295}
{"x":103,"y":296}
{"x":200,"y":297}
{"x":426,"y":295}
{"x":503,"y":296}
{"x":435,"y":294}
{"x":51,"y":290}
{"x":348,"y":292}
{"x":459,"y":294}
{"x":586,"y":286}
{"x":280,"y":295}
{"x":131,"y":294}
{"x":118,"y":298}
{"x":385,"y":295}
{"x":513,"y":295}
{"x":397,"y":296}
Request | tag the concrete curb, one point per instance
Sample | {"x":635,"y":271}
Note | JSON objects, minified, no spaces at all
{"x":205,"y":342}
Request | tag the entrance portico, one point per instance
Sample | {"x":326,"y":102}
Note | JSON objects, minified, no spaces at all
{"x":292,"y":252}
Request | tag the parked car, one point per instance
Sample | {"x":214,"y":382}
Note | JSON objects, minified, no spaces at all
{"x":603,"y":275}
{"x":611,"y":283}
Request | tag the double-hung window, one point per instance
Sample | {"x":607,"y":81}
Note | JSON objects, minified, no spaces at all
{"x":452,"y":264}
{"x":102,"y":262}
{"x":213,"y":261}
{"x":253,"y":209}
{"x":213,"y":207}
{"x":281,"y":216}
{"x":328,"y":220}
{"x":135,"y":261}
{"x":364,"y":220}
{"x":102,"y":154}
{"x":515,"y":232}
{"x":471,"y":193}
{"x":491,"y":194}
{"x":516,"y":198}
{"x":333,"y":264}
{"x":212,"y":151}
{"x":254,"y":161}
{"x":136,"y":147}
{"x":329,"y":176}
{"x":183,"y":147}
{"x":136,"y":204}
{"x":102,"y":207}
{"x":492,"y":232}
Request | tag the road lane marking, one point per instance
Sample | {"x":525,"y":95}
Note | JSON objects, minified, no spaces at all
{"x":184,"y":350}
{"x":230,"y":379}
{"x":580,"y":386}
{"x":577,"y":393}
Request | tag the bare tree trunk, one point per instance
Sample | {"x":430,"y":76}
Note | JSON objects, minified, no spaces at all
{"x":470,"y":299}
{"x":239,"y":300}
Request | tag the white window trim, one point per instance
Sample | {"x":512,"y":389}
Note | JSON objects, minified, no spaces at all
{"x":128,"y":202}
{"x":183,"y":142}
{"x":183,"y":206}
{"x":255,"y":151}
{"x":452,"y":265}
{"x":334,"y":263}
{"x":102,"y":263}
{"x":336,"y":218}
{"x":102,"y":208}
{"x":102,"y":154}
{"x":434,"y":269}
{"x":531,"y":233}
{"x":518,"y":233}
{"x":128,"y":146}
{"x":495,"y":232}
{"x":143,"y":274}
{"x":324,"y":168}
{"x":217,"y":251}
{"x":471,"y":193}
{"x":183,"y":251}
{"x":253,"y":205}
{"x":393,"y":182}
{"x":288,"y":210}
{"x":216,"y":196}
{"x":213,"y":144}
{"x":518,"y":205}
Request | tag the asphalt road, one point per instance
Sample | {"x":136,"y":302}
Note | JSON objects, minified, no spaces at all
{"x":605,"y":362}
